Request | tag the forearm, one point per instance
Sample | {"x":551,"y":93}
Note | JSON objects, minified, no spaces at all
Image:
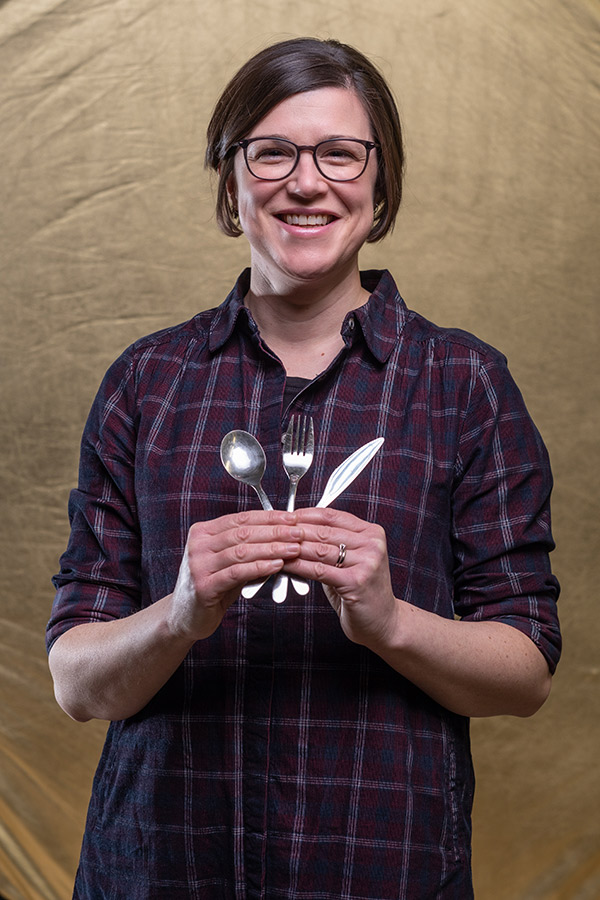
{"x":471,"y":668}
{"x":111,"y":670}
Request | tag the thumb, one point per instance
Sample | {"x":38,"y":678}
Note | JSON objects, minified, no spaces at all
{"x":334,"y":598}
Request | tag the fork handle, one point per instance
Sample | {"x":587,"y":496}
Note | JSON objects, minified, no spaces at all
{"x":280,"y":587}
{"x":292,"y":494}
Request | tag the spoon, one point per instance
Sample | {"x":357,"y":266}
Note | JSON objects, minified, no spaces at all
{"x":245,"y":460}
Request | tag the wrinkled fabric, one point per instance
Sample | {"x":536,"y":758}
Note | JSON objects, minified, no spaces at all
{"x":107,"y":233}
{"x":281,"y":760}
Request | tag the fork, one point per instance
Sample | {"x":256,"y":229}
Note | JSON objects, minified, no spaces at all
{"x":298,"y":452}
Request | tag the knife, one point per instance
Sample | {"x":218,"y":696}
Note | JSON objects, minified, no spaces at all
{"x":339,"y":480}
{"x":346,"y":472}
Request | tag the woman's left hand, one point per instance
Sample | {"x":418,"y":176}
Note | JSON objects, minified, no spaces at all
{"x":359,"y":588}
{"x":471,"y":668}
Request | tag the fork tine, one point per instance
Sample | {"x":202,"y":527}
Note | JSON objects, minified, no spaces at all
{"x":294,"y":427}
{"x":310,"y":443}
{"x":301,"y":435}
{"x":287,"y":437}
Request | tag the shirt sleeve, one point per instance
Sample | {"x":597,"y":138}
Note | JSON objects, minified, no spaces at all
{"x":501,"y":515}
{"x":99,"y":578}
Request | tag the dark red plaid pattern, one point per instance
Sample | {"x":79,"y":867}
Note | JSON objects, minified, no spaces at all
{"x":281,"y":760}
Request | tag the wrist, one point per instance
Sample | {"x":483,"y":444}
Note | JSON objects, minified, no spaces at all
{"x":174,"y":622}
{"x":387,"y":637}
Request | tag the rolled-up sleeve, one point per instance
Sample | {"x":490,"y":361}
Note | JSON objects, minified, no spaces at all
{"x":99,"y":576}
{"x":501,"y":515}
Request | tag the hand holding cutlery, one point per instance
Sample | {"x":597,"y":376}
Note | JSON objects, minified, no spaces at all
{"x":341,"y":478}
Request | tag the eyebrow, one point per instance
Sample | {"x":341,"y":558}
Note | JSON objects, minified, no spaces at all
{"x":331,"y":137}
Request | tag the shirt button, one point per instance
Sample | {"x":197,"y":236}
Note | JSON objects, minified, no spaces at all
{"x":351,"y":323}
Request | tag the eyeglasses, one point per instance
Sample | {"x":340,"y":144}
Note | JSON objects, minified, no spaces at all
{"x":273,"y":159}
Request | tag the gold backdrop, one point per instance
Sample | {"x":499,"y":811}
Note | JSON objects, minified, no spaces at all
{"x":107,"y":233}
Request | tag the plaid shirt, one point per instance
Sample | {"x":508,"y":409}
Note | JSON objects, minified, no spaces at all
{"x":281,"y":760}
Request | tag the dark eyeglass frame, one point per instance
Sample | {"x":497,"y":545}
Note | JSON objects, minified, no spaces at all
{"x":368,"y":145}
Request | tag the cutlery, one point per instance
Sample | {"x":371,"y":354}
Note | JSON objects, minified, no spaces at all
{"x":341,"y":478}
{"x":346,"y":472}
{"x":244,"y":459}
{"x":298,"y":452}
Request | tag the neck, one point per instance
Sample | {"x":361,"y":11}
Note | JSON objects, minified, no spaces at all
{"x":302,"y":326}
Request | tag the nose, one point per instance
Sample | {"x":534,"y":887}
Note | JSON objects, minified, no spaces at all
{"x":306,"y":180}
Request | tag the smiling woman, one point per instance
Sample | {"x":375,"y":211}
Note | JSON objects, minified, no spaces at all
{"x":281,"y":71}
{"x":318,"y":747}
{"x":304,"y":228}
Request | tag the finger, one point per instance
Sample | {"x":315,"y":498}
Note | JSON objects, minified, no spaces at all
{"x":242,"y":557}
{"x":323,"y":570}
{"x":347,"y":563}
{"x":247,"y":518}
{"x":246,"y":535}
{"x":334,"y":518}
{"x":332,"y":526}
{"x":365,"y":539}
{"x":205,"y":537}
{"x":336,"y":553}
{"x":236,"y":577}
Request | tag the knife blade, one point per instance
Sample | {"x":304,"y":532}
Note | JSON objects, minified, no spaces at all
{"x":346,"y":472}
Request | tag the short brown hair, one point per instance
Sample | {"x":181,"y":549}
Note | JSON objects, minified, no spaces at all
{"x":293,"y":67}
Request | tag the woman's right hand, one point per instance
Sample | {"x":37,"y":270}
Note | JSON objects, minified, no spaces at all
{"x":221,"y":556}
{"x":112,"y":669}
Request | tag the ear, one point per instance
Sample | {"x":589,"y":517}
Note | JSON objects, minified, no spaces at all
{"x":231,"y":188}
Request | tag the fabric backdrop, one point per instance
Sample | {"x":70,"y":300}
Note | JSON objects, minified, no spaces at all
{"x":107,"y":233}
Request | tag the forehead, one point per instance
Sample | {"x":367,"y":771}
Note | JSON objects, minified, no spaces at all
{"x":317,"y":115}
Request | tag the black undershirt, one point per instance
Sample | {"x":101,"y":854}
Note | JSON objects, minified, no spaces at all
{"x":293,"y":386}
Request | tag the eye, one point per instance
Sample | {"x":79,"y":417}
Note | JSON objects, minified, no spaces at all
{"x":341,"y":153}
{"x":338,"y":153}
{"x":270,"y":152}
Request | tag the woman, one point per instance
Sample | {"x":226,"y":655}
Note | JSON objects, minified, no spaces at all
{"x":314,"y":748}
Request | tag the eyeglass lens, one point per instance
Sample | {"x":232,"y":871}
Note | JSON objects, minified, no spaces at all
{"x":338,"y":160}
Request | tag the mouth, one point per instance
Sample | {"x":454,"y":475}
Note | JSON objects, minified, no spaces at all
{"x":306,"y":221}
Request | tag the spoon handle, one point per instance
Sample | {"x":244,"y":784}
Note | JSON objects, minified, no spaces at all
{"x":253,"y":587}
{"x":264,"y":500}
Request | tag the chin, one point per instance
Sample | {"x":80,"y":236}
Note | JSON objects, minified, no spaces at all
{"x":317,"y":269}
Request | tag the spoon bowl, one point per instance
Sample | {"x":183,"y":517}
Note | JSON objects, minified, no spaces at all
{"x":244,"y":459}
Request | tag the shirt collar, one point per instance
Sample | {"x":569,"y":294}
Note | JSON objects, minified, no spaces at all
{"x":228,"y":313}
{"x":383,"y":316}
{"x":381,"y":319}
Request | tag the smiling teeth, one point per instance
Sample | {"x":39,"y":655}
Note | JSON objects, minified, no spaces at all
{"x":307,"y":220}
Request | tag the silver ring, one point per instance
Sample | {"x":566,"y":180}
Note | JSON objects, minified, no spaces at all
{"x":341,"y":557}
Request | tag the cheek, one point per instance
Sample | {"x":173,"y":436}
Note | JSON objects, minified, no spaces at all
{"x":361,"y":197}
{"x":248,"y":212}
{"x":253,"y":200}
